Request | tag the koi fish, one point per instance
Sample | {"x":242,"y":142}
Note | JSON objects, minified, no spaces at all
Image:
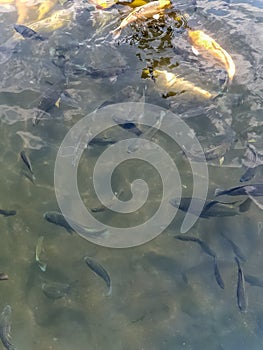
{"x":172,"y":83}
{"x":45,"y":7}
{"x":151,"y":9}
{"x":200,"y":40}
{"x":57,"y":20}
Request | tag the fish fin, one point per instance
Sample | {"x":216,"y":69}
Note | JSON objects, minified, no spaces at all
{"x":57,"y":103}
{"x":221,"y":160}
{"x":195,"y":51}
{"x":116,"y":33}
{"x":105,"y":4}
{"x":109,"y":291}
{"x":243,"y":207}
{"x":210,"y":205}
{"x":219,"y":192}
{"x":218,"y":277}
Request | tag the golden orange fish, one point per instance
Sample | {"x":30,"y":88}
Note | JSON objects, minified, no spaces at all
{"x":172,"y":83}
{"x":56,"y":20}
{"x":133,"y":3}
{"x":200,"y":40}
{"x":45,"y":8}
{"x":148,"y":10}
{"x":103,"y":4}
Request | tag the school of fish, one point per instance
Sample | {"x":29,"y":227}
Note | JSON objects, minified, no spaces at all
{"x":44,"y":17}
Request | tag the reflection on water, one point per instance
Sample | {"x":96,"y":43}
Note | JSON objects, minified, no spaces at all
{"x":164,"y":293}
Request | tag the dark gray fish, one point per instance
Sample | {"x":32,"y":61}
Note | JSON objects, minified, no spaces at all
{"x":5,"y":327}
{"x":104,"y":73}
{"x":202,"y":244}
{"x":7,"y":212}
{"x":241,"y":294}
{"x":100,"y":209}
{"x":101,"y":141}
{"x":218,"y":277}
{"x":255,"y":190}
{"x":251,"y":169}
{"x":57,"y":218}
{"x":27,"y":32}
{"x":211,"y":208}
{"x":55,"y":290}
{"x":95,"y":73}
{"x":48,"y":101}
{"x":99,"y":270}
{"x":3,"y":276}
{"x":234,"y":247}
{"x":128,"y":125}
{"x":249,"y":174}
{"x":254,"y":281}
{"x":26,"y":161}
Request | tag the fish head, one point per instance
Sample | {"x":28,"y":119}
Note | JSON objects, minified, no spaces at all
{"x":164,"y":3}
{"x":199,"y":38}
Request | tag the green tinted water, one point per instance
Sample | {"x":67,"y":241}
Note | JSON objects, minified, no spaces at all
{"x":164,"y":293}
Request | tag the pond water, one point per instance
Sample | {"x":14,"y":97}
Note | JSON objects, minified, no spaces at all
{"x":164,"y":293}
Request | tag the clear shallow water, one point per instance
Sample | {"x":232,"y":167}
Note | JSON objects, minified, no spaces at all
{"x":164,"y":293}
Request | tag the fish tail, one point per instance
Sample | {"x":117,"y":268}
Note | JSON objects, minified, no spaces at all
{"x":219,"y":192}
{"x":109,"y":291}
{"x":245,"y":206}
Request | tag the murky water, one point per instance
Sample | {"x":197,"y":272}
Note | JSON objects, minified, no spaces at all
{"x":165,"y":295}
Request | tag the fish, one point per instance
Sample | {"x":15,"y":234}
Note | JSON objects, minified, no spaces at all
{"x":5,"y":327}
{"x":99,"y":270}
{"x":202,"y":244}
{"x":103,"y":4}
{"x":245,"y":206}
{"x":253,"y":164}
{"x":254,"y":190}
{"x":148,"y":134}
{"x":206,"y":249}
{"x":234,"y":247}
{"x":132,"y":3}
{"x":211,"y":208}
{"x":22,"y":11}
{"x":55,"y":290}
{"x":58,"y":19}
{"x":101,"y":141}
{"x":212,"y":153}
{"x":148,"y":10}
{"x":253,"y":281}
{"x":201,"y":40}
{"x":6,"y":1}
{"x":170,"y":82}
{"x":48,"y":101}
{"x":7,"y":212}
{"x":241,"y":293}
{"x":128,"y":125}
{"x":218,"y":277}
{"x":42,"y":265}
{"x":249,"y":174}
{"x":27,"y":32}
{"x":57,"y":218}
{"x":26,"y":161}
{"x":3,"y":276}
{"x":44,"y":8}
